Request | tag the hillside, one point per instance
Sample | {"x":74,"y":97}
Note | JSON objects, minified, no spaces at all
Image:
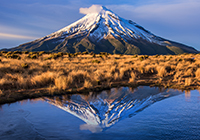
{"x":105,"y":31}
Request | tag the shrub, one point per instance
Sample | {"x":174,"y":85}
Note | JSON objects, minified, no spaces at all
{"x":25,"y":52}
{"x":91,"y":53}
{"x":146,"y":56}
{"x":135,"y":56}
{"x":69,"y":55}
{"x":31,"y":53}
{"x":54,"y":56}
{"x":76,"y":54}
{"x":156,"y":55}
{"x":86,"y":52}
{"x":14,"y":56}
{"x":95,"y":61}
{"x":24,"y":65}
{"x":141,"y":58}
{"x":34,"y":56}
{"x":189,"y":60}
{"x":59,"y":54}
{"x":17,"y":52}
{"x":41,"y":53}
{"x":3,"y":52}
{"x":8,"y":53}
{"x":94,"y":55}
{"x":104,"y":54}
{"x":197,"y":73}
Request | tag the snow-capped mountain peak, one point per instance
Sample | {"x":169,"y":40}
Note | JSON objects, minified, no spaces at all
{"x":99,"y":25}
{"x":101,"y":30}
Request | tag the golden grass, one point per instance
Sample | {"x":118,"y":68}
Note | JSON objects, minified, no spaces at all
{"x":132,"y":78}
{"x":188,"y":81}
{"x":197,"y":73}
{"x":85,"y":71}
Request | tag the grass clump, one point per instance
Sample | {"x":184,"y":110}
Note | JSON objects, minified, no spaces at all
{"x":135,"y":56}
{"x":81,"y":73}
{"x":33,"y":56}
{"x":24,"y":65}
{"x":85,"y":52}
{"x":95,"y":61}
{"x":197,"y":73}
{"x":13,"y":56}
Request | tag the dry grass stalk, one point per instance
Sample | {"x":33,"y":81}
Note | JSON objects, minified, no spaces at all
{"x":61,"y":82}
{"x":161,"y":71}
{"x":188,"y":81}
{"x":197,"y":73}
{"x":133,"y":77}
{"x":87,"y":84}
{"x":67,"y":72}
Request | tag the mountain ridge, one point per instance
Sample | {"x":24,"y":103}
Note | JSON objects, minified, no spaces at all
{"x":105,"y":31}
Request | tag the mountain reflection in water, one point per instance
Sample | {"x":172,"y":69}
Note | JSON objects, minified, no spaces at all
{"x":102,"y":110}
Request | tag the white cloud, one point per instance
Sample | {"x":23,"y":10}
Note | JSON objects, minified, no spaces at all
{"x":14,"y":36}
{"x":176,"y":12}
{"x":176,"y":20}
{"x":91,"y":9}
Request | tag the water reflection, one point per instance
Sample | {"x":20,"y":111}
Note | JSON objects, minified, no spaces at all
{"x":102,"y":110}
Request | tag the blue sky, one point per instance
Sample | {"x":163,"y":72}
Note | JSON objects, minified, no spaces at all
{"x":23,"y":20}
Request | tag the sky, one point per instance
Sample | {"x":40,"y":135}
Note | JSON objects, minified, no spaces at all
{"x":22,"y":21}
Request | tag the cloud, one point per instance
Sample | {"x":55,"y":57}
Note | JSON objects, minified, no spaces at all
{"x":176,"y":12}
{"x":176,"y":20}
{"x":91,"y":9}
{"x":14,"y":36}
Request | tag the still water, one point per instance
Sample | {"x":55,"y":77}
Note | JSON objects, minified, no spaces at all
{"x":123,"y":113}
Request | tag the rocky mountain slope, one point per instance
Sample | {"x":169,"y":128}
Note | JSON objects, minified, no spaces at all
{"x":105,"y":31}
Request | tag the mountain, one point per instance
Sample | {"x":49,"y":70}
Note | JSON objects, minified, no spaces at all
{"x":105,"y":31}
{"x":101,"y":111}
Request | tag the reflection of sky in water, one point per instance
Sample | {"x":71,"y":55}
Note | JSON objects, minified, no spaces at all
{"x":172,"y":118}
{"x":103,"y":110}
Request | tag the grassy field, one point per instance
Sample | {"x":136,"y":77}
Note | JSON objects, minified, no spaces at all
{"x":35,"y":74}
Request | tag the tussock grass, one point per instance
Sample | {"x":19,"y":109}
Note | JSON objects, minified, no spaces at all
{"x":197,"y":73}
{"x":64,"y":71}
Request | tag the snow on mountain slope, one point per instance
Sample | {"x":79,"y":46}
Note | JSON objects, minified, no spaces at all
{"x":105,"y":31}
{"x":99,"y":25}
